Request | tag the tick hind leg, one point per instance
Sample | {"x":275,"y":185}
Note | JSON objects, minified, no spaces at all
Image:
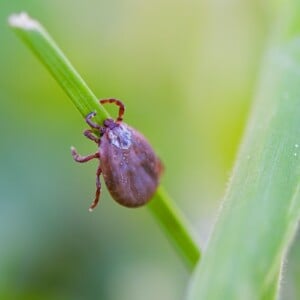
{"x":98,"y":189}
{"x":118,"y":103}
{"x":90,"y":135}
{"x":82,"y":159}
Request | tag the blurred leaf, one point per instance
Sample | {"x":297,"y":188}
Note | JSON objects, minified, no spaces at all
{"x":261,"y":208}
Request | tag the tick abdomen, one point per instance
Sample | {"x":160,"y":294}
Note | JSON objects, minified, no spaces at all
{"x":129,"y":166}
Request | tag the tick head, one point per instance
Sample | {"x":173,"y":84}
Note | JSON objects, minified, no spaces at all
{"x":110,"y":124}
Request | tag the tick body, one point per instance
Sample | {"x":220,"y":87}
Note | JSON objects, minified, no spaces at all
{"x":130,"y":168}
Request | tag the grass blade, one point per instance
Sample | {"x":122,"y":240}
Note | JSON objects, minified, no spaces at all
{"x":261,"y":208}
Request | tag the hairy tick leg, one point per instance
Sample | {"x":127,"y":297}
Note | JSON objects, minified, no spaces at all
{"x":98,"y":189}
{"x":90,"y":122}
{"x":118,"y":103}
{"x":90,"y":135}
{"x":83,"y":159}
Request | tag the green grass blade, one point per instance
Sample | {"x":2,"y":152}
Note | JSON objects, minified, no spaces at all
{"x":176,"y":226}
{"x":261,"y":208}
{"x":162,"y":207}
{"x":41,"y":43}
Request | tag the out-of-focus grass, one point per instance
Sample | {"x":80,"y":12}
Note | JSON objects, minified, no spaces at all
{"x":261,"y":209}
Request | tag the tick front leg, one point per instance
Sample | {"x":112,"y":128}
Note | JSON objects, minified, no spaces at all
{"x":98,"y":189}
{"x":90,"y":135}
{"x":90,"y":122}
{"x":82,"y":159}
{"x":118,"y":103}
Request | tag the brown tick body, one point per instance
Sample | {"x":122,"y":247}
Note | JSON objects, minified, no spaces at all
{"x":130,"y":168}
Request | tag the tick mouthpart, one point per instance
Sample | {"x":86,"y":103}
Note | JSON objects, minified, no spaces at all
{"x":110,"y":123}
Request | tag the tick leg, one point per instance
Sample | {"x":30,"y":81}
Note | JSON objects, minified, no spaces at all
{"x":98,"y":189}
{"x":90,"y":135}
{"x":118,"y":103}
{"x":90,"y":122}
{"x":82,"y":159}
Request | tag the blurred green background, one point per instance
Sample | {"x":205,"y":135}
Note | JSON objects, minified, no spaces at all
{"x":187,"y":72}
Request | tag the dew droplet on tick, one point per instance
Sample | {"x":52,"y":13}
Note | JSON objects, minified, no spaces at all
{"x":130,"y":168}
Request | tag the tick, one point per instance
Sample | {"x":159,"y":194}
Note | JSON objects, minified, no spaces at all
{"x":130,"y":168}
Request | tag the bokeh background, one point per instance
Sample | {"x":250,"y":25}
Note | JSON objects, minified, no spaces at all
{"x":187,"y":72}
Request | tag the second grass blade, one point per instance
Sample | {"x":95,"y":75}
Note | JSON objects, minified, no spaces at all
{"x":261,"y":208}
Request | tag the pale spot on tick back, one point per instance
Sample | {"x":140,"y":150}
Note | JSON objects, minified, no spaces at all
{"x":120,"y":137}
